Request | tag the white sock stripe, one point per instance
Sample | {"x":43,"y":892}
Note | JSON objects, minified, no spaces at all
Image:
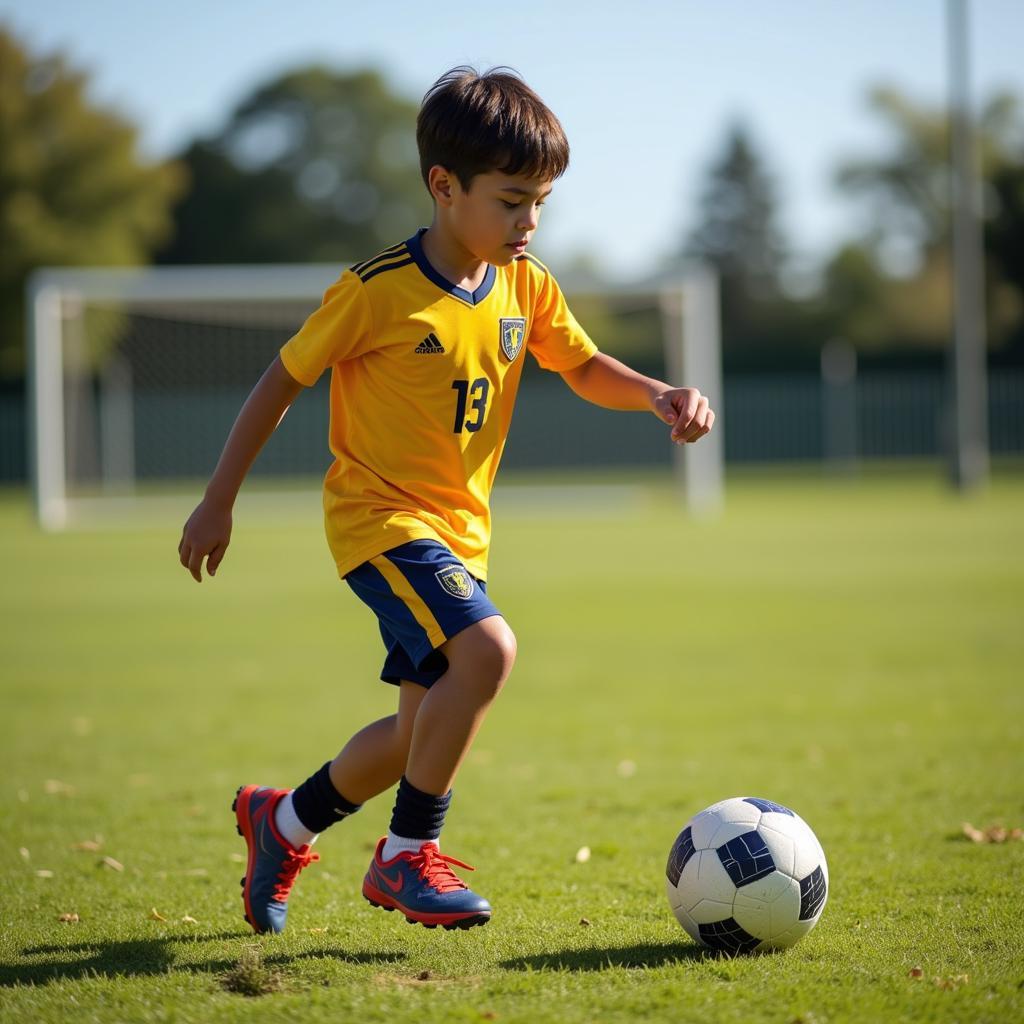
{"x":394,"y":845}
{"x":289,"y":825}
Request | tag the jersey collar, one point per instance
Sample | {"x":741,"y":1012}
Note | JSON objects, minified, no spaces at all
{"x":415,"y":246}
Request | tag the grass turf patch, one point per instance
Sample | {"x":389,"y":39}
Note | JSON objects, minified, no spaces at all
{"x":851,"y":651}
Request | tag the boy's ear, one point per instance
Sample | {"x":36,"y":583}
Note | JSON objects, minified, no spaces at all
{"x":440,"y":181}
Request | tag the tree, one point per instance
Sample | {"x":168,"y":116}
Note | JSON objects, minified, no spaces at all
{"x":906,"y":192}
{"x":314,"y":165}
{"x":738,"y":235}
{"x":73,"y":189}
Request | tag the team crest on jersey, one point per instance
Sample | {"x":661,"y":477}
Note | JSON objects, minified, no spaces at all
{"x":456,"y":580}
{"x":513,"y":330}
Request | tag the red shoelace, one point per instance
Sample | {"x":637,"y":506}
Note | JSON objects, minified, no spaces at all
{"x":433,"y":866}
{"x":290,"y":868}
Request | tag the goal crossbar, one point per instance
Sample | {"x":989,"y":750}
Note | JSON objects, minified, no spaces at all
{"x":56,"y":296}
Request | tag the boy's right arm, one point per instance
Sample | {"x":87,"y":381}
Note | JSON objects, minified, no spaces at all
{"x":208,"y":530}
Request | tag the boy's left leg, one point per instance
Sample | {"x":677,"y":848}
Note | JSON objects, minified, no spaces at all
{"x":280,"y":825}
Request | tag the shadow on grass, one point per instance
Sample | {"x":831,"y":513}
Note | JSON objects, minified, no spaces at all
{"x":597,"y":959}
{"x":147,"y":957}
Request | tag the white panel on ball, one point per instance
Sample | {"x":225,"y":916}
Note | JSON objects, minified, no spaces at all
{"x":810,"y":855}
{"x":705,"y":878}
{"x":687,"y":922}
{"x":709,"y":911}
{"x":767,"y":889}
{"x":751,"y":915}
{"x":784,"y":912}
{"x":703,"y":827}
{"x":780,"y":845}
{"x":707,"y":825}
{"x":793,"y":935}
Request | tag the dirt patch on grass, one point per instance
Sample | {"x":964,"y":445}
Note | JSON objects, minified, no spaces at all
{"x":251,"y":977}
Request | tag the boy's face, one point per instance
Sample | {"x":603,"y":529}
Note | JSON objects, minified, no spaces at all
{"x":496,"y":218}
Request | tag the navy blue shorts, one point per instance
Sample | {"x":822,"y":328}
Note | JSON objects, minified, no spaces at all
{"x":422,"y":596}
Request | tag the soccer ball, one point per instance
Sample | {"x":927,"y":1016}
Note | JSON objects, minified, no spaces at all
{"x":747,"y":874}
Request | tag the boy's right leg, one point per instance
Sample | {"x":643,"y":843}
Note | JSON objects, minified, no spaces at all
{"x":408,"y":871}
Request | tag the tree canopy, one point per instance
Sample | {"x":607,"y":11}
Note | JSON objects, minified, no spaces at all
{"x":738,"y":233}
{"x":314,"y":165}
{"x":73,"y":188}
{"x":905,"y":247}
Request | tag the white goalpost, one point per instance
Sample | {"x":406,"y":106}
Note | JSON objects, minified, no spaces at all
{"x":135,"y":376}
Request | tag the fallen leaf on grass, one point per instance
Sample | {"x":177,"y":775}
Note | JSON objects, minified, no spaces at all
{"x":54,"y":787}
{"x":318,"y":931}
{"x":992,"y":834}
{"x":916,"y":972}
{"x":114,"y":865}
{"x":43,"y":873}
{"x":68,"y":918}
{"x":584,"y":922}
{"x":626,"y":769}
{"x":23,"y":850}
{"x":423,"y":976}
{"x":189,"y":919}
{"x":950,"y":983}
{"x":88,"y":845}
{"x":583,"y":855}
{"x":197,"y":872}
{"x":155,"y":915}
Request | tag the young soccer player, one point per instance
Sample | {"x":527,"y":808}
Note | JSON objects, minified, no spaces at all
{"x":425,"y":342}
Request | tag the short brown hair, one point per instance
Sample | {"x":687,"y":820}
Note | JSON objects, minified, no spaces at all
{"x":472,"y":123}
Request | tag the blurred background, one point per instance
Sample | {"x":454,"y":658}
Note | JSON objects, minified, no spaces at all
{"x":801,"y":150}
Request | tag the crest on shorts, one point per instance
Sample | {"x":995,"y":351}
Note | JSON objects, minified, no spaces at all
{"x":512,"y":332}
{"x":456,"y":580}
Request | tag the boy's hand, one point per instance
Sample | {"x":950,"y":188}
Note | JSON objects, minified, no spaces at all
{"x":206,"y":535}
{"x":686,"y":411}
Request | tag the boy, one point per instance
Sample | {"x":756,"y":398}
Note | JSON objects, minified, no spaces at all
{"x":425,"y":343}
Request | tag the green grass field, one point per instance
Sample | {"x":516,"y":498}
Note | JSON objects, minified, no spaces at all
{"x":854,"y":651}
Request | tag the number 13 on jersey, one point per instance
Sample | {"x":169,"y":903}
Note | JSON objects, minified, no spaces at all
{"x":474,"y":395}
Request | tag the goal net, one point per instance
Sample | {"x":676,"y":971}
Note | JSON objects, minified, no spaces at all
{"x":137,"y":376}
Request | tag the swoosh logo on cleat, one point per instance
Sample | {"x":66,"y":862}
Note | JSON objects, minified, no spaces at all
{"x":262,"y":833}
{"x":394,"y":884}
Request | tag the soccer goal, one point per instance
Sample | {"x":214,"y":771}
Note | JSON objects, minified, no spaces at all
{"x":136,"y":376}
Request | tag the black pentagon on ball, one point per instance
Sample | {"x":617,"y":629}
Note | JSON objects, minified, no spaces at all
{"x":727,"y":936}
{"x":768,"y":805}
{"x":682,"y":850}
{"x":746,"y":858}
{"x":813,"y":890}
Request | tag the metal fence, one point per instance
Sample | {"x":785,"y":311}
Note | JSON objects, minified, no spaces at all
{"x":766,"y":418}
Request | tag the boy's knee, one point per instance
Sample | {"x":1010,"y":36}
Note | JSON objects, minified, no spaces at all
{"x":486,"y":651}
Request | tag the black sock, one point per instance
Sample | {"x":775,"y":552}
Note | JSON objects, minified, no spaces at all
{"x":318,"y":804}
{"x":418,"y":815}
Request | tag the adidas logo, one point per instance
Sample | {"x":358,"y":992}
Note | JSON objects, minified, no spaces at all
{"x":430,"y":345}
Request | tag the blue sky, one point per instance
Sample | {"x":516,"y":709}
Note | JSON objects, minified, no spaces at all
{"x":644,"y":88}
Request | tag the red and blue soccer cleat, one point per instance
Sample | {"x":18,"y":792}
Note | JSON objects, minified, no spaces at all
{"x":273,"y":863}
{"x":423,"y":886}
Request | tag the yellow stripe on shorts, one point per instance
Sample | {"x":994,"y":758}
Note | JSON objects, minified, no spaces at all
{"x":402,"y":589}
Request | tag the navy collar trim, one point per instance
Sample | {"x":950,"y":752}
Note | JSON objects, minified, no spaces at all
{"x":415,"y":245}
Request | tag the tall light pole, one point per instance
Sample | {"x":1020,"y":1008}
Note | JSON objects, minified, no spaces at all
{"x":968,"y":436}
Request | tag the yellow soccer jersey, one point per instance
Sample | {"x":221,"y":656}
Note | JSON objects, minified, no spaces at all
{"x":423,"y":380}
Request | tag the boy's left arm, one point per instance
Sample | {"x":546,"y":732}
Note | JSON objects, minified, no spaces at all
{"x":607,"y":382}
